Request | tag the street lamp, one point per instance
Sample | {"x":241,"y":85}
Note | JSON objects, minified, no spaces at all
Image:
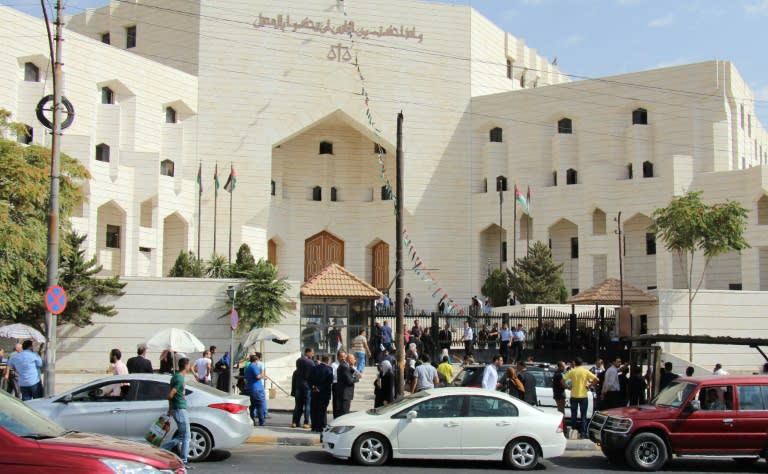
{"x":232,"y":294}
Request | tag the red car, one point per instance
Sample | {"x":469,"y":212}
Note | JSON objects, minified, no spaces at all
{"x":701,"y":416}
{"x":31,"y":443}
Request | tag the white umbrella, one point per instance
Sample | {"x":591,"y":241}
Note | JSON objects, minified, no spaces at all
{"x":264,"y":334}
{"x":175,"y":340}
{"x":21,"y":331}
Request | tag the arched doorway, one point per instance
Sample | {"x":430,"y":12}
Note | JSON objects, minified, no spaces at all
{"x":321,"y":250}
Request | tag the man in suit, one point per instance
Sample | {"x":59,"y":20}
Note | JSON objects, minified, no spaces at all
{"x":139,"y":364}
{"x":345,"y":387}
{"x":320,"y":381}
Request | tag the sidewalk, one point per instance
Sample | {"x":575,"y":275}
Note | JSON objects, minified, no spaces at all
{"x":284,"y":435}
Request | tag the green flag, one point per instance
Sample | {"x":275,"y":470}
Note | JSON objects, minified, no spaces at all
{"x":216,"y":179}
{"x":200,"y":177}
{"x":229,"y":186}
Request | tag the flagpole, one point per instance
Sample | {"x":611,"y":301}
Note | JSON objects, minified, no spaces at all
{"x":528,"y":227}
{"x":514,"y":230}
{"x":199,"y":207}
{"x":215,"y":203}
{"x":230,"y":227}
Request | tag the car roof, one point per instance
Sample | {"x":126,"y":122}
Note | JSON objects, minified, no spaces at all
{"x":462,"y":391}
{"x":715,"y":379}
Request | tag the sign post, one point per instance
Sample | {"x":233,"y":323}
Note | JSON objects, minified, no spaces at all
{"x":55,"y":303}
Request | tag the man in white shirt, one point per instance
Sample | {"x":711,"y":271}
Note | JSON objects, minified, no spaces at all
{"x":491,"y":374}
{"x":203,"y":368}
{"x":611,"y":391}
{"x":468,"y":338}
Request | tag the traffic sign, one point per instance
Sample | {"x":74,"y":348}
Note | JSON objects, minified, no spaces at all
{"x":56,"y":299}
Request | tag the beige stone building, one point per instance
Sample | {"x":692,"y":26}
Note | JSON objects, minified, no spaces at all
{"x":301,"y":97}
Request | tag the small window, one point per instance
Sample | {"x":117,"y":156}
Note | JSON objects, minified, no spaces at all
{"x":317,"y":193}
{"x":145,"y":250}
{"x":170,"y":115}
{"x":501,"y":183}
{"x":734,"y":286}
{"x":571,"y":176}
{"x":509,"y":69}
{"x":26,"y":135}
{"x":113,"y":236}
{"x":379,"y":150}
{"x":504,"y":251}
{"x":105,"y":38}
{"x":574,"y":291}
{"x":272,"y":188}
{"x":107,"y":96}
{"x":167,"y":168}
{"x":31,"y":72}
{"x":564,"y":125}
{"x":326,"y":148}
{"x":630,"y":173}
{"x":639,"y":117}
{"x":386,"y":193}
{"x":574,"y":247}
{"x":749,"y":124}
{"x":485,"y":185}
{"x":650,"y":243}
{"x":742,"y":116}
{"x":554,"y":178}
{"x":334,"y":194}
{"x":647,"y":169}
{"x":130,"y":37}
{"x":496,"y":135}
{"x":102,"y":152}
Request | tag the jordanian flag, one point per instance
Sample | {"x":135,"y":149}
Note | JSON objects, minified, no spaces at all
{"x":200,"y":178}
{"x":229,"y":186}
{"x":521,"y":200}
{"x":216,"y":179}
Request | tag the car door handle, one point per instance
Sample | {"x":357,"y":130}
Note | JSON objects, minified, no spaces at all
{"x":503,"y":423}
{"x":451,"y":424}
{"x":728,"y":421}
{"x":115,"y":411}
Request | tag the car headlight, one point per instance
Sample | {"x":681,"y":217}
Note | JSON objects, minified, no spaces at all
{"x":120,"y":466}
{"x":340,"y":429}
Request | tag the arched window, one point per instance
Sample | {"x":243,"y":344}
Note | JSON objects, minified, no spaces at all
{"x":102,"y":152}
{"x":501,"y":183}
{"x":272,"y":187}
{"x":167,"y":168}
{"x":326,"y":148}
{"x":639,"y":117}
{"x":107,"y":96}
{"x":31,"y":72}
{"x":170,"y":115}
{"x":564,"y":125}
{"x":647,"y":169}
{"x":571,"y":176}
{"x":496,"y":135}
{"x":386,"y":193}
{"x":334,"y":194}
{"x":317,"y":193}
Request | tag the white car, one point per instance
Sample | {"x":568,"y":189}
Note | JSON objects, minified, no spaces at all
{"x":125,"y":406}
{"x":448,"y":423}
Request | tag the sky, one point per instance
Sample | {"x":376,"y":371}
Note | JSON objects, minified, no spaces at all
{"x":595,"y":38}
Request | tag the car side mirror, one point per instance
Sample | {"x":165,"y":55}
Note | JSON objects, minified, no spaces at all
{"x":411,"y":415}
{"x":66,"y":398}
{"x":694,"y":405}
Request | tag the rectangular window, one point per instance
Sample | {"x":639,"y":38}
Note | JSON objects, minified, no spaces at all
{"x":273,"y":187}
{"x":509,"y":69}
{"x":130,"y":37}
{"x":145,"y":250}
{"x":734,"y":286}
{"x":574,"y":247}
{"x":504,"y":251}
{"x":574,"y":291}
{"x":105,"y":38}
{"x":753,"y":397}
{"x":170,"y":115}
{"x":107,"y":96}
{"x":113,"y":236}
{"x":495,"y":135}
{"x":650,"y":243}
{"x":31,"y":72}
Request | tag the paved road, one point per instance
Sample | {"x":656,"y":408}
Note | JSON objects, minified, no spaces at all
{"x":289,"y":459}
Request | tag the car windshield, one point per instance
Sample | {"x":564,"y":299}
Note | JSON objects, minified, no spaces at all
{"x":383,"y":410}
{"x":23,"y":421}
{"x":674,"y":395}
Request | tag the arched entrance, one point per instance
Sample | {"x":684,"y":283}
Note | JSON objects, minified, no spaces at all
{"x":321,"y":250}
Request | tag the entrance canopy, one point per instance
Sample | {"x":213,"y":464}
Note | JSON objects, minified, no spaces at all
{"x":609,"y":293}
{"x":335,"y":281}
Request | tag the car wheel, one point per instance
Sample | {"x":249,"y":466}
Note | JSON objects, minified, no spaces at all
{"x":200,"y":444}
{"x":614,"y":457}
{"x":647,"y":452}
{"x":522,"y":454}
{"x":370,"y":449}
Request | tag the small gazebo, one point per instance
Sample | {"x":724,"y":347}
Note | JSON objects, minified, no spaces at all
{"x":608,"y":292}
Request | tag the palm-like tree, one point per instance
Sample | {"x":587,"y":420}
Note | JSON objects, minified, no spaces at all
{"x":261,"y":300}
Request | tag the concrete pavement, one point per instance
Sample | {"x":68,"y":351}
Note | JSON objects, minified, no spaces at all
{"x":282,"y":434}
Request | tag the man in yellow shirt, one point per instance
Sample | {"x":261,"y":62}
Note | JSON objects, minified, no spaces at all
{"x":446,"y":370}
{"x":579,"y":380}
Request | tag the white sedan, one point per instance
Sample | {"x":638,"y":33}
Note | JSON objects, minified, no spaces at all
{"x":125,"y":406}
{"x":448,"y":423}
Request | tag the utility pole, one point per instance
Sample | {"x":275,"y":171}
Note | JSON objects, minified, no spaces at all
{"x":53,"y":217}
{"x":399,"y":300}
{"x":621,"y":261}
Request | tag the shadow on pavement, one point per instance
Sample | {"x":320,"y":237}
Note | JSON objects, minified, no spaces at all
{"x":217,"y":455}
{"x":686,"y":464}
{"x":320,"y":457}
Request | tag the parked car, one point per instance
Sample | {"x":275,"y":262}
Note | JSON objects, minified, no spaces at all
{"x":472,"y":376}
{"x":448,"y":423}
{"x":216,"y":419}
{"x":710,"y":416}
{"x":33,"y":443}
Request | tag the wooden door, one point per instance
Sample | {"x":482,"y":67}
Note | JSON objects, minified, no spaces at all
{"x":380,"y":260}
{"x":321,"y":250}
{"x":272,"y":252}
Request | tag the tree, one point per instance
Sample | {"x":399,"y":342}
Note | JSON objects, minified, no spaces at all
{"x":24,"y":205}
{"x":261,"y":300}
{"x":218,"y":267}
{"x":688,"y":226}
{"x":496,"y":287}
{"x":186,"y":265}
{"x":244,"y":262}
{"x":536,"y":278}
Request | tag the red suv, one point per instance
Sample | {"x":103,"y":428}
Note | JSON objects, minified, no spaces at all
{"x":702,"y":416}
{"x":31,"y":443}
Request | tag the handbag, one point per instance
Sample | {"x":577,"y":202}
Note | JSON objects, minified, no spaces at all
{"x":158,"y":430}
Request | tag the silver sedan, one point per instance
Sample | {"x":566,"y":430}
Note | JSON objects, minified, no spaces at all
{"x":126,"y":405}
